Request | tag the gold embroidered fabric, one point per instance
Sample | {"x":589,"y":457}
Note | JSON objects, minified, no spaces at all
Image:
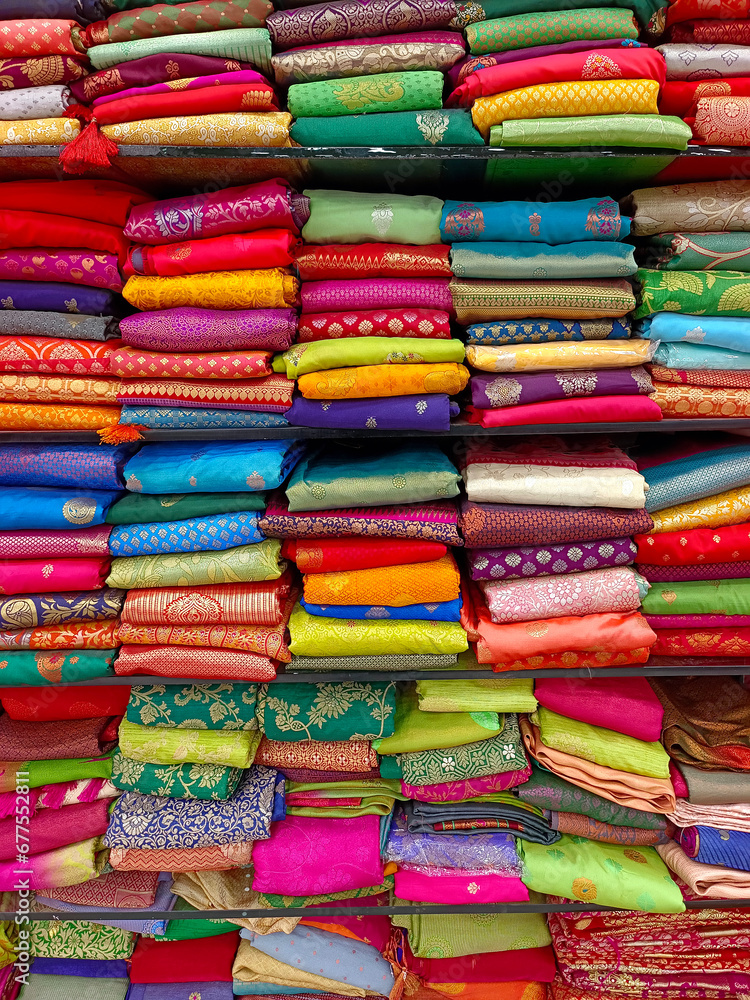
{"x":707,"y":207}
{"x":479,"y":301}
{"x":571,"y":99}
{"x":57,"y":389}
{"x":54,"y":417}
{"x":719,"y":511}
{"x":39,"y":132}
{"x":225,"y":890}
{"x":566,"y":355}
{"x":701,"y":401}
{"x":270,"y":128}
{"x":273,"y":288}
{"x":392,"y":586}
{"x":383,"y":380}
{"x":244,"y":564}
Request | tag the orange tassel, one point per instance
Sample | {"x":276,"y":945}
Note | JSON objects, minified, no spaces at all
{"x":121,"y":433}
{"x":91,"y":149}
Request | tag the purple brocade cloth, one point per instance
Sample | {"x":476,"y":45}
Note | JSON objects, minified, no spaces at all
{"x":707,"y":571}
{"x":91,"y":968}
{"x":78,"y":466}
{"x":490,"y":392}
{"x":340,"y":19}
{"x":549,"y":560}
{"x":698,"y":621}
{"x":192,"y":329}
{"x":458,"y":73}
{"x":180,"y":991}
{"x":80,"y":267}
{"x":151,"y":69}
{"x":377,"y":293}
{"x":393,"y":413}
{"x":56,"y":296}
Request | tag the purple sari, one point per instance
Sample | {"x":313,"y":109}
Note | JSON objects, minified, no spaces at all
{"x":56,"y":296}
{"x":491,"y":392}
{"x":395,"y":413}
{"x":192,"y":329}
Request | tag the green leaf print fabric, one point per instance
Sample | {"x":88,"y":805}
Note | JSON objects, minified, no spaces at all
{"x":359,"y":95}
{"x":348,"y":710}
{"x":175,"y":781}
{"x":244,"y":564}
{"x":607,"y":874}
{"x":79,"y":939}
{"x":194,"y":706}
{"x":700,"y":293}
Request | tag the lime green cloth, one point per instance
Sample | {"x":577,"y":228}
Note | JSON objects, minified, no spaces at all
{"x":699,"y":597}
{"x":324,"y":354}
{"x":359,"y":95}
{"x":452,"y":935}
{"x":650,"y":131}
{"x":416,"y":731}
{"x":700,"y":293}
{"x":355,"y":217}
{"x":187,"y":746}
{"x":501,"y":695}
{"x":608,"y":874}
{"x":602,"y":746}
{"x":244,"y":564}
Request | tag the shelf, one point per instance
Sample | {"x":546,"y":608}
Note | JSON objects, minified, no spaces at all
{"x":356,"y":910}
{"x":459,"y":429}
{"x":659,"y":666}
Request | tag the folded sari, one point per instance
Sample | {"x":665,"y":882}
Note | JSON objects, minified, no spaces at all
{"x":358,"y":294}
{"x":27,"y":390}
{"x":503,"y":812}
{"x":167,"y":19}
{"x":727,"y":508}
{"x":410,"y":128}
{"x":97,"y":270}
{"x":577,"y":98}
{"x":227,"y":604}
{"x":54,"y":772}
{"x":355,"y":217}
{"x":215,"y":534}
{"x":23,"y":72}
{"x":547,"y":331}
{"x":129,"y":891}
{"x":493,"y":967}
{"x":654,"y":795}
{"x":477,"y":301}
{"x":197,"y":706}
{"x":132,"y":362}
{"x":186,"y":418}
{"x":56,"y":296}
{"x":187,"y":823}
{"x":189,"y":328}
{"x":36,"y":323}
{"x":336,"y":21}
{"x":526,"y":30}
{"x":552,"y":793}
{"x":627,"y":705}
{"x":716,"y":120}
{"x":78,"y":465}
{"x":266,"y":289}
{"x":691,"y":291}
{"x":372,"y":260}
{"x":417,"y":731}
{"x":270,"y":128}
{"x":636,"y":63}
{"x":495,"y":524}
{"x":39,"y":132}
{"x":344,"y":798}
{"x":533,"y":222}
{"x":215,"y":857}
{"x":308,"y":856}
{"x":254,"y":95}
{"x":243,"y":564}
{"x":392,"y":92}
{"x":534,"y":260}
{"x":54,"y":355}
{"x":346,"y":755}
{"x":246,"y":466}
{"x":332,"y":555}
{"x":29,"y":576}
{"x":401,"y":585}
{"x":467,"y":788}
{"x":738,"y":571}
{"x":434,"y":521}
{"x":476,"y":695}
{"x":432,"y":413}
{"x":418,"y":50}
{"x":688,"y":61}
{"x":267,"y":641}
{"x":346,"y":711}
{"x":50,"y":829}
{"x":590,"y":592}
{"x":497,"y":754}
{"x":312,"y":636}
{"x":328,"y":354}
{"x":61,"y":232}
{"x":698,"y":546}
{"x":79,"y":702}
{"x":191,"y":661}
{"x":619,"y":876}
{"x":69,"y":865}
{"x":715,"y":847}
{"x":686,"y":477}
{"x":155,"y":745}
{"x":596,"y":355}
{"x":232,"y":251}
{"x":451,"y":935}
{"x":383,"y":380}
{"x":695,"y":377}
{"x":49,"y":667}
{"x":441,"y":611}
{"x":272,"y":393}
{"x":534,"y":561}
{"x":720,"y":816}
{"x":710,"y":206}
{"x":652,"y":131}
{"x":249,"y":45}
{"x":680,"y":97}
{"x":697,"y":401}
{"x":55,"y":740}
{"x":429,"y":323}
{"x":706,"y":881}
{"x":688,"y":252}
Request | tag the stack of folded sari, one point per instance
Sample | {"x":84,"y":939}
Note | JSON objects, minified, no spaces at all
{"x":694,"y":286}
{"x":696,"y":557}
{"x":40,"y":58}
{"x":395,"y":591}
{"x":528,"y":275}
{"x":706,"y":735}
{"x":207,"y":593}
{"x":211,"y":274}
{"x":61,"y":253}
{"x":603,"y":780}
{"x":182,"y":75}
{"x":547,"y":525}
{"x":58,"y":617}
{"x":375,"y":349}
{"x":664,"y":957}
{"x":78,"y":958}
{"x":708,"y":70}
{"x":194,"y":966}
{"x":544,"y":75}
{"x":363,"y":74}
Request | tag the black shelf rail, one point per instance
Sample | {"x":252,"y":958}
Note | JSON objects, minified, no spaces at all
{"x":459,"y":429}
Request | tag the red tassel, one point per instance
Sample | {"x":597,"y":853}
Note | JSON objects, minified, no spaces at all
{"x":91,"y":149}
{"x":121,"y":433}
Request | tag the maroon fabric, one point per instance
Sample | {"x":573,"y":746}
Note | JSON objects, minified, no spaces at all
{"x":52,"y":828}
{"x":23,"y":741}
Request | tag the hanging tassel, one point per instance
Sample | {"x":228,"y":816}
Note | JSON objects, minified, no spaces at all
{"x":394,"y":953}
{"x":121,"y":433}
{"x":91,"y":149}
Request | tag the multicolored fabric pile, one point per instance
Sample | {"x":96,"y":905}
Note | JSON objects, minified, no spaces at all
{"x":540,"y":596}
{"x":693,"y":290}
{"x":375,"y":345}
{"x":540,"y":74}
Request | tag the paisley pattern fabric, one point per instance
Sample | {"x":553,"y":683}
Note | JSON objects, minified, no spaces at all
{"x":227,"y":604}
{"x":83,"y":635}
{"x":363,"y":94}
{"x":42,"y":71}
